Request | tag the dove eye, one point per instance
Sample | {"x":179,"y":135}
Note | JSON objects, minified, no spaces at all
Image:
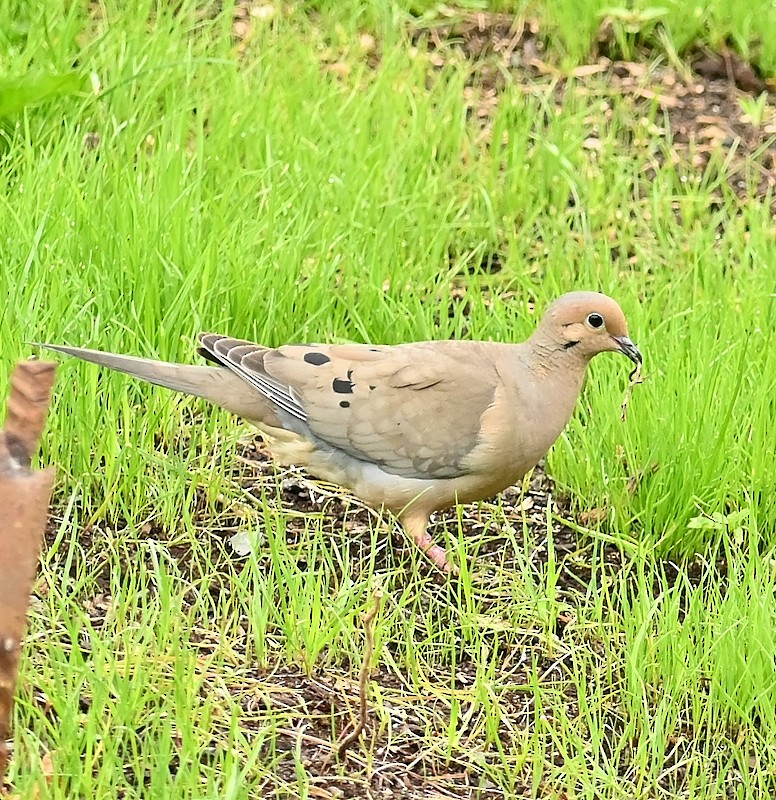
{"x":595,"y":320}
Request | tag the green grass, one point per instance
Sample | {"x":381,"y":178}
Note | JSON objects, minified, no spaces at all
{"x":571,"y":27}
{"x":302,"y":186}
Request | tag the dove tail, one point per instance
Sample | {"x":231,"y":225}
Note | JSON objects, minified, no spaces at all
{"x":210,"y":383}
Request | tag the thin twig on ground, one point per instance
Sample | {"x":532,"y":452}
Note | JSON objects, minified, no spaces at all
{"x":369,"y":643}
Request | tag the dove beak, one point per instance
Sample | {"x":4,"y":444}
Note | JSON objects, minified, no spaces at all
{"x":625,"y":345}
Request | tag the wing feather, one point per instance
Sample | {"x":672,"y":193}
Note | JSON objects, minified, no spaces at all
{"x":400,"y":407}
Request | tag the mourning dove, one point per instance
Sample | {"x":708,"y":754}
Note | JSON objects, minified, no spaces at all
{"x":413,"y":428}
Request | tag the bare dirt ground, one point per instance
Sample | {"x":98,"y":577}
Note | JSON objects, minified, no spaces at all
{"x":699,"y":100}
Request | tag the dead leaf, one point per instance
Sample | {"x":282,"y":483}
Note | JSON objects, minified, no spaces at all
{"x":665,"y":101}
{"x":47,"y":772}
{"x":588,"y":69}
{"x":593,"y":516}
{"x":712,"y":133}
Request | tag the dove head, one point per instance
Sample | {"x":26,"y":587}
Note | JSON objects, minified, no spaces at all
{"x":588,"y":323}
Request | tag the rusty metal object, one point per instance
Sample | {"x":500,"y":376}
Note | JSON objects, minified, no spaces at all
{"x":24,"y":501}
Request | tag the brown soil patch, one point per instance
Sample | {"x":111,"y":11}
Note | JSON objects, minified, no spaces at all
{"x":395,"y":757}
{"x":709,"y":105}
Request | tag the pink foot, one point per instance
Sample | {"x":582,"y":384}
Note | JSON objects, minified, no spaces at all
{"x":416,"y":528}
{"x":439,"y":556}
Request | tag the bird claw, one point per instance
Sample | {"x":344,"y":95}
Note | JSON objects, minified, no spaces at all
{"x":439,"y":556}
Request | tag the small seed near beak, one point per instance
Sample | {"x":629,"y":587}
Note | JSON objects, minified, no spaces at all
{"x":634,"y":379}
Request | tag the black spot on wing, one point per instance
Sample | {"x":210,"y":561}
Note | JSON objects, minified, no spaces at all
{"x":342,"y":386}
{"x":316,"y":359}
{"x":344,"y":404}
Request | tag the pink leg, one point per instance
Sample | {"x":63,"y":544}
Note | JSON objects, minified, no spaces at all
{"x":416,"y":527}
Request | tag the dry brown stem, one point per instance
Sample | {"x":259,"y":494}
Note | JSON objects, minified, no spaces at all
{"x":363,"y":678}
{"x":635,"y":379}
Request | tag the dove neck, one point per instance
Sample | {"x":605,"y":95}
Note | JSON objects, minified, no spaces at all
{"x":550,"y":356}
{"x":548,"y":383}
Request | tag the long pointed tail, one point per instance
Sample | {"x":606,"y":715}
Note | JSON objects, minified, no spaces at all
{"x":216,"y":384}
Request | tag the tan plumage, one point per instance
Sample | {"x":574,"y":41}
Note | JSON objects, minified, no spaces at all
{"x":413,"y":427}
